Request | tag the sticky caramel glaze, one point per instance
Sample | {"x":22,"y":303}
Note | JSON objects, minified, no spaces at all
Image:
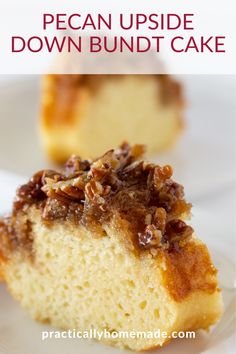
{"x":65,"y":90}
{"x":188,"y":270}
{"x":90,"y":193}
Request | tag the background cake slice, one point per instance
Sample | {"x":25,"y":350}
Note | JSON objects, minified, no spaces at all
{"x":89,"y":114}
{"x":104,"y":245}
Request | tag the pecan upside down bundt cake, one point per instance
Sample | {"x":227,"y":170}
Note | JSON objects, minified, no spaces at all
{"x":89,"y":114}
{"x":104,"y":245}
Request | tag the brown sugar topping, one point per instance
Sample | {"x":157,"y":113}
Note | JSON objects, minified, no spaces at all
{"x":92,"y":192}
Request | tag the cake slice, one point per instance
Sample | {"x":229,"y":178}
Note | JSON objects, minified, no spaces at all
{"x":104,"y":246}
{"x":89,"y":114}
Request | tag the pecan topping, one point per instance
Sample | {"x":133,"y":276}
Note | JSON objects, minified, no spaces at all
{"x":119,"y":182}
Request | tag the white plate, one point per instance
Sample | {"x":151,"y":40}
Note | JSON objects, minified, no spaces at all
{"x":204,"y":161}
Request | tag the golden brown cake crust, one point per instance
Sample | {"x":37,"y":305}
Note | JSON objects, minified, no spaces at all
{"x":188,"y":270}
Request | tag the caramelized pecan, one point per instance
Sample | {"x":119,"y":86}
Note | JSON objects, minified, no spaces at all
{"x":92,"y":192}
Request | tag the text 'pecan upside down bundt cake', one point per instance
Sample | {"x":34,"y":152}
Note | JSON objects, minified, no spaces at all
{"x":104,"y":245}
{"x":89,"y":114}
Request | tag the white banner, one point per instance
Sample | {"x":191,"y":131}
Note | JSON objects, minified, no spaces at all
{"x":165,"y":36}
